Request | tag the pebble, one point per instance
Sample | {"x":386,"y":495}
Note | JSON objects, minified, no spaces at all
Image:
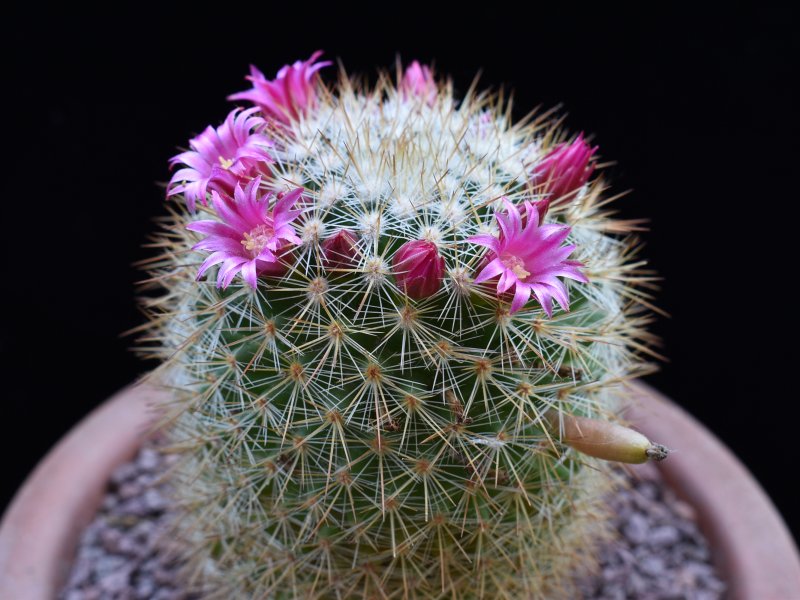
{"x":636,"y":528}
{"x":110,"y":539}
{"x":116,"y":582}
{"x":148,"y":460}
{"x":130,"y":547}
{"x":664,"y":535}
{"x":660,"y":553}
{"x":145,"y":589}
{"x":154,"y":500}
{"x":652,"y":565}
{"x":129,"y":490}
{"x":123,"y":473}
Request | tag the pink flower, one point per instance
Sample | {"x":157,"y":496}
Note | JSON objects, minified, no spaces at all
{"x":250,"y":239}
{"x":339,"y":250}
{"x":565,"y":169}
{"x":290,"y":94}
{"x":529,"y":259}
{"x":219,"y":157}
{"x":418,"y":268}
{"x":418,"y":81}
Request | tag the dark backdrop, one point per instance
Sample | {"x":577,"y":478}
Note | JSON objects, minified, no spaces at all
{"x":696,"y":109}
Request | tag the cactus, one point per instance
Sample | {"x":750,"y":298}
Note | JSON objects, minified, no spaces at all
{"x":385,"y":312}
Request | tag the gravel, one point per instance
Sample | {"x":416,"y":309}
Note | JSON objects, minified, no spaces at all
{"x":659,"y":554}
{"x":120,"y":555}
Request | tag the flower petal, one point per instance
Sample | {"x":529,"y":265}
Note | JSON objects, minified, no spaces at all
{"x":249,"y":273}
{"x":507,"y":279}
{"x":522,"y":294}
{"x":493,"y":269}
{"x":486,"y":240}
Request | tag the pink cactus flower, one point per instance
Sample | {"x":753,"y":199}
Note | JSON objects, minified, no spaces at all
{"x":529,"y":259}
{"x":290,"y":94}
{"x":418,"y":268}
{"x":220,"y":157}
{"x":565,"y":169}
{"x":418,"y":82}
{"x":250,"y":239}
{"x":340,"y":250}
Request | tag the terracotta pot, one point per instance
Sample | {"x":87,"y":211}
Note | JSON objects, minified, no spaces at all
{"x":750,"y":543}
{"x":38,"y":534}
{"x":40,"y":528}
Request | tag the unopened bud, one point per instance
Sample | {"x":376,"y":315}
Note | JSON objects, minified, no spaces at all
{"x":418,"y":81}
{"x":606,"y":440}
{"x":418,"y":268}
{"x":565,"y":169}
{"x":340,"y":250}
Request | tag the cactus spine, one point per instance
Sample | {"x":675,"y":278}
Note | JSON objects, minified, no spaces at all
{"x":350,"y":429}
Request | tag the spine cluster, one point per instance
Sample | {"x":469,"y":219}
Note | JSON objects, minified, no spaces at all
{"x":379,"y":309}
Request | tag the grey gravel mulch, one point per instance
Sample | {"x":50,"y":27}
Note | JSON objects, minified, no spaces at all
{"x":660,"y":553}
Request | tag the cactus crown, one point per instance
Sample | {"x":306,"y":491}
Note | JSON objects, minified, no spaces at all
{"x":397,"y":287}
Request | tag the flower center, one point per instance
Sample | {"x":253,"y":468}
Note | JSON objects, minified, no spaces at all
{"x":225,"y":162}
{"x":257,"y":239}
{"x":516,"y":265}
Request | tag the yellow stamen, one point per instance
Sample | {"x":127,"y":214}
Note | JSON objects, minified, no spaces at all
{"x":519,"y":271}
{"x":249,"y":242}
{"x":516,"y":265}
{"x":257,"y":239}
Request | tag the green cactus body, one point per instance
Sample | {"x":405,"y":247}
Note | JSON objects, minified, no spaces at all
{"x":343,"y":440}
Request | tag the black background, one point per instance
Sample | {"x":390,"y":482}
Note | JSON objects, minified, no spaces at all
{"x":696,"y":109}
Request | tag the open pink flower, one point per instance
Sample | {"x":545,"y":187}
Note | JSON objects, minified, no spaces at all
{"x":565,"y":169}
{"x":290,"y":94}
{"x":530,"y":259}
{"x":219,"y":157}
{"x":418,"y":82}
{"x":418,"y":268}
{"x":250,"y":238}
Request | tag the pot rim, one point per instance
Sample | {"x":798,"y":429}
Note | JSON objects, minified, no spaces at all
{"x":37,"y":544}
{"x":750,"y":543}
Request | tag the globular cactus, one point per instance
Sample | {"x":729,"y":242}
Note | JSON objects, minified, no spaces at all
{"x":392,"y":318}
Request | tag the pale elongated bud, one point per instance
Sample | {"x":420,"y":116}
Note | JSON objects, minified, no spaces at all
{"x":606,"y":440}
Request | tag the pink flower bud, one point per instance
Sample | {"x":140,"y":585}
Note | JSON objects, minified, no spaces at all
{"x":340,"y":250}
{"x":565,"y":169}
{"x":418,"y":268}
{"x":418,"y":81}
